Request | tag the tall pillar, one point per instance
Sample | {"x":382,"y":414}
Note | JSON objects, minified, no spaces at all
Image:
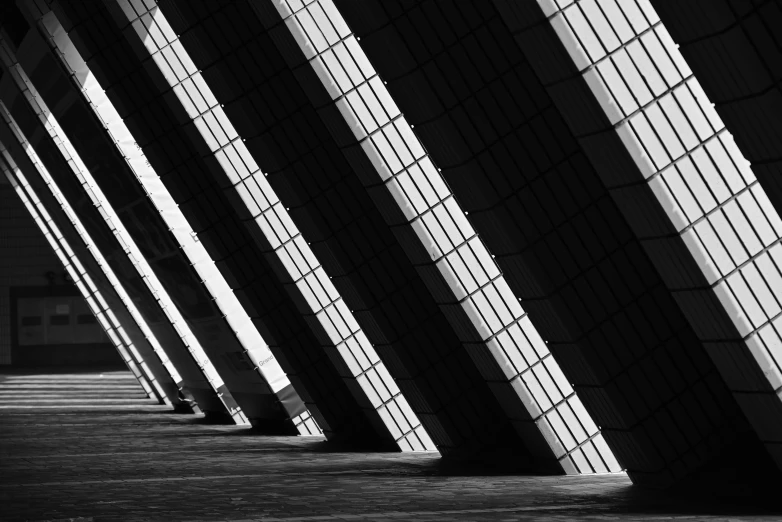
{"x":562,"y":243}
{"x":240,"y":355}
{"x":309,"y":171}
{"x":676,"y":175}
{"x":207,"y":208}
{"x":277,"y":236}
{"x":145,"y":291}
{"x":735,"y":52}
{"x":145,"y":347}
{"x":78,"y":273}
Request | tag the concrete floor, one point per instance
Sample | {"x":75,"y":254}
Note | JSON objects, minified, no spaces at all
{"x":89,"y":446}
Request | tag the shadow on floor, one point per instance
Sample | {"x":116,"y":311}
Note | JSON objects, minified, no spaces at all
{"x":142,"y":462}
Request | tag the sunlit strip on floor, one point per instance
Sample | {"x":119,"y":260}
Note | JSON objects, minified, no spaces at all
{"x":77,"y":273}
{"x":124,"y":239}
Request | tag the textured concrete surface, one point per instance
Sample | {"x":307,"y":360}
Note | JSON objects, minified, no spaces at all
{"x":90,"y":446}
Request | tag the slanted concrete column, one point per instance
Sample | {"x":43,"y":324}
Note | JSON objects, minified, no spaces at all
{"x":201,"y":294}
{"x":187,"y":176}
{"x":735,"y":51}
{"x":56,"y":173}
{"x":454,"y":429}
{"x":84,"y":281}
{"x":688,"y":194}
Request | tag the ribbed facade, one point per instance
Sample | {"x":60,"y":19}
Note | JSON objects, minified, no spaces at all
{"x":511,"y":232}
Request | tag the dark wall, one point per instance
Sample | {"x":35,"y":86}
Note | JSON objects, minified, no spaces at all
{"x":30,"y":269}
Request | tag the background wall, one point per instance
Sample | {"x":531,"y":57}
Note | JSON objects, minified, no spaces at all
{"x":25,"y":260}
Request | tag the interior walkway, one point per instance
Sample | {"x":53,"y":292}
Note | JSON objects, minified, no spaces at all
{"x":90,"y":446}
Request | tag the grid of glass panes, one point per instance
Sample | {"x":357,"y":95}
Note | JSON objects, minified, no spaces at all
{"x":737,"y":60}
{"x":99,"y":200}
{"x":79,"y":275}
{"x":409,"y":332}
{"x":689,"y":159}
{"x":256,"y":348}
{"x":511,"y":342}
{"x":354,"y":351}
{"x":306,"y":424}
